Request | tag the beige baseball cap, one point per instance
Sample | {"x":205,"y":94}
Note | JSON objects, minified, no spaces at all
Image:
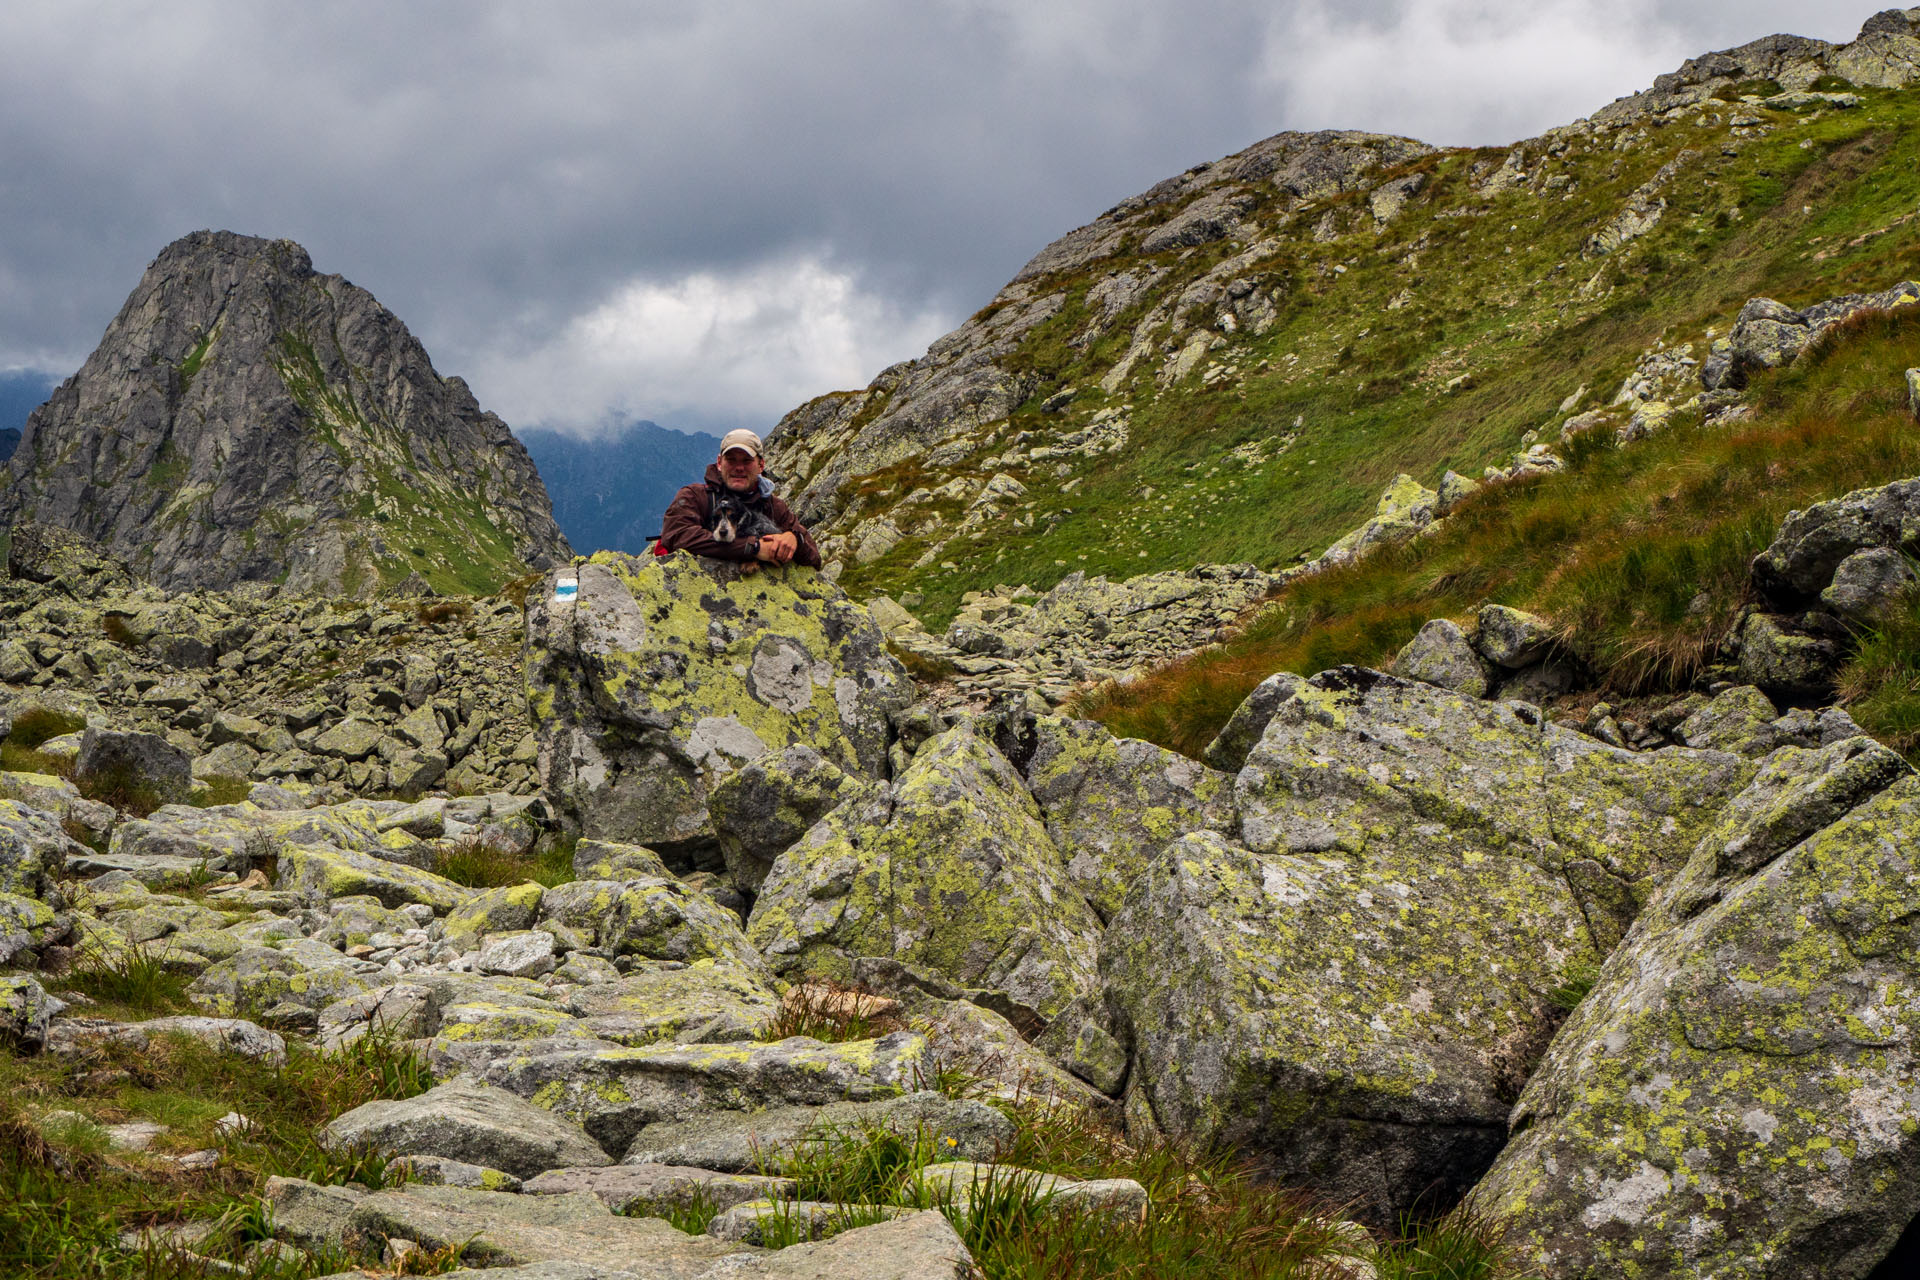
{"x":741,"y":439}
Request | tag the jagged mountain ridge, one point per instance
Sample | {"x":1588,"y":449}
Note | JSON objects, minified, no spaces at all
{"x":609,"y":494}
{"x":1232,"y":365}
{"x":247,"y":418}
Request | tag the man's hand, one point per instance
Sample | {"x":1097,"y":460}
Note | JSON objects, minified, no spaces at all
{"x":779,"y":548}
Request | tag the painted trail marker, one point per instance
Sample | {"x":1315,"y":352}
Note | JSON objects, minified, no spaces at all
{"x":566,"y":590}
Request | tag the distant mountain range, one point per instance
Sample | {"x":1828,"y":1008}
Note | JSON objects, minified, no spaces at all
{"x":609,"y":494}
{"x":20,"y":394}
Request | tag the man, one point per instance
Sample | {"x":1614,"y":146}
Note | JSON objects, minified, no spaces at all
{"x":734,"y":515}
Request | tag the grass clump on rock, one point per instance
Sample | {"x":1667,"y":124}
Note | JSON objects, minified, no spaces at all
{"x":1881,"y":683}
{"x":135,"y":981}
{"x":480,"y":864}
{"x":833,"y":1013}
{"x":123,"y":787}
{"x":20,"y":751}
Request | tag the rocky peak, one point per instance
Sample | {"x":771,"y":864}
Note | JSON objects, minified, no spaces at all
{"x":1886,"y":54}
{"x":246,"y":418}
{"x":973,"y":377}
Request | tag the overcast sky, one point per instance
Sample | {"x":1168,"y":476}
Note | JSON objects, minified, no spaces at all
{"x":705,"y":213}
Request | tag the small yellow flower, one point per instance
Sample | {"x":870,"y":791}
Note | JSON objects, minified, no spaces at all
{"x":953,"y":1142}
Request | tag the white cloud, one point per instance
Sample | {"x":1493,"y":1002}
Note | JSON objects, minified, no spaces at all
{"x":1461,"y":72}
{"x":707,"y":349}
{"x":587,"y":206}
{"x":1488,"y":72}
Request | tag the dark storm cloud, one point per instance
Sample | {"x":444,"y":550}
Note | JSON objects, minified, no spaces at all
{"x":705,"y":213}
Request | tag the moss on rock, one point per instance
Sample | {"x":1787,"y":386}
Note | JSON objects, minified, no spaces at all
{"x":952,"y":870}
{"x":1736,"y":1095}
{"x":665,"y":674}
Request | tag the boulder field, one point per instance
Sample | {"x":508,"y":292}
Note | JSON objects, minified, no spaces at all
{"x":1398,"y":943}
{"x":1347,"y":953}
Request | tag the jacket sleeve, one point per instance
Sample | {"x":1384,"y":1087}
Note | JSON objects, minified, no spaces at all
{"x":684,"y":528}
{"x":808,"y":554}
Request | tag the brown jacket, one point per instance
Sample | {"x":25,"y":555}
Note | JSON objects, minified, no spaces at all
{"x":685,"y":527}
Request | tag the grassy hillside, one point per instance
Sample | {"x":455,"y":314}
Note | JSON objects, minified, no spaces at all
{"x":1639,"y":554}
{"x":1431,"y":341}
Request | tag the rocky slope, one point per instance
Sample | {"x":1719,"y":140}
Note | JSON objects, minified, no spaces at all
{"x":1232,"y":365}
{"x":248,"y":419}
{"x":1347,"y":946}
{"x":1644,"y":986}
{"x":356,"y":698}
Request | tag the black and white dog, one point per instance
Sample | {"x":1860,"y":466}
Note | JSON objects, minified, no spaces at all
{"x":733,"y":517}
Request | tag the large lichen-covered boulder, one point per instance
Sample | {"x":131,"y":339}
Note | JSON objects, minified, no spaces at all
{"x":1736,"y":1095}
{"x":1801,"y":560}
{"x":560,"y":1237}
{"x":450,"y":1009}
{"x":1360,"y":763}
{"x":762,"y":809}
{"x":1441,"y":654}
{"x":950,"y":869}
{"x":320,"y":872}
{"x":25,"y":924}
{"x":133,"y":764}
{"x":660,"y":919}
{"x":26,"y":1011}
{"x":661,"y":675}
{"x":1511,"y":638}
{"x":1243,"y":729}
{"x":34,"y":849}
{"x":1867,"y":582}
{"x":271,"y":978}
{"x":612,"y":860}
{"x":656,"y":1187}
{"x":500,"y":1010}
{"x":1770,"y":335}
{"x":744,"y":1141}
{"x":1784,"y":661}
{"x":706,"y":1002}
{"x":232,"y":837}
{"x":1404,"y":509}
{"x":1112,"y":804}
{"x":501,"y":910}
{"x":1338,"y":1020}
{"x":1743,"y":720}
{"x":1346,"y":996}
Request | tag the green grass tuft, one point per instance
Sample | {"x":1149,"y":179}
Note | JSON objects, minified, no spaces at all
{"x":134,"y":981}
{"x":1207,"y":1216}
{"x":122,"y":786}
{"x":477,"y":864}
{"x":36,"y":725}
{"x":209,"y":792}
{"x":1880,"y":685}
{"x":692,"y":1215}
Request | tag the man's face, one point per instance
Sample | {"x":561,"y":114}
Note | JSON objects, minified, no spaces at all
{"x":741,"y":470}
